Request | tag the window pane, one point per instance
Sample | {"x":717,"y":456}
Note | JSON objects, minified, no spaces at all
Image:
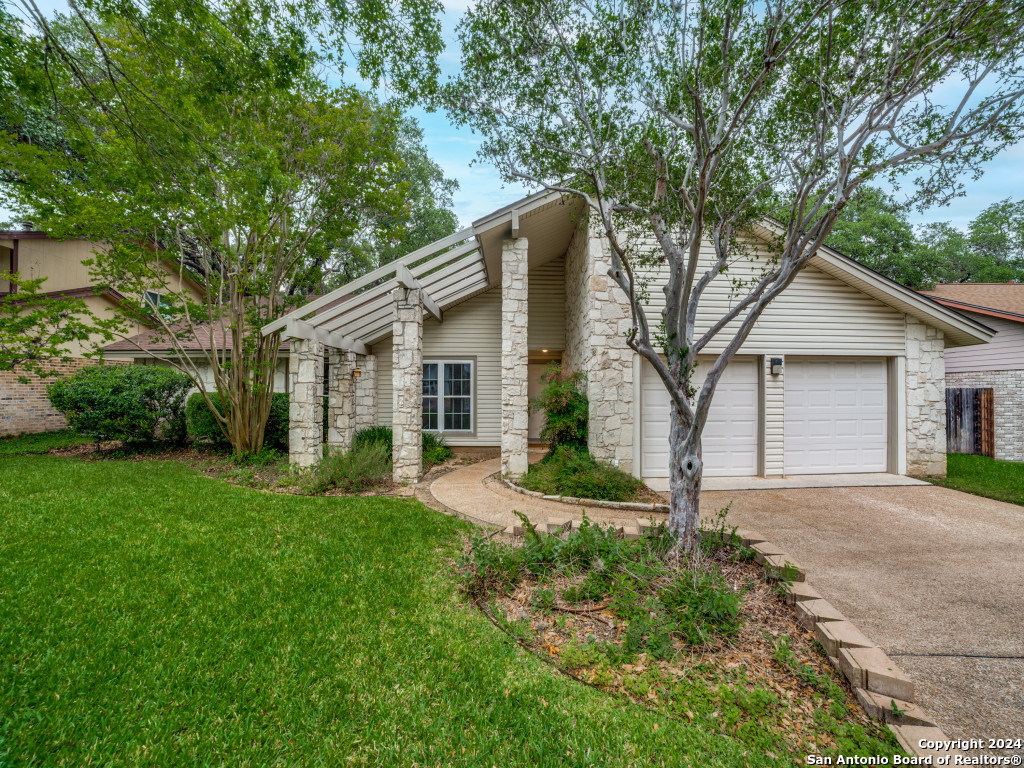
{"x":457,"y":379}
{"x":430,"y":413}
{"x":430,"y":396}
{"x":457,"y":413}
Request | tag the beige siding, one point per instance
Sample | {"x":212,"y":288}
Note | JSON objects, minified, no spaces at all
{"x":547,"y":305}
{"x":1004,"y":353}
{"x":470,"y":330}
{"x":58,"y":261}
{"x":773,"y":415}
{"x":816,"y":314}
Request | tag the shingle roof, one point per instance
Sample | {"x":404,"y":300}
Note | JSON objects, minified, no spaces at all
{"x":1001,"y":297}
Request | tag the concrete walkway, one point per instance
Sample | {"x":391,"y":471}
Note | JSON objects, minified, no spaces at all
{"x":934,"y":576}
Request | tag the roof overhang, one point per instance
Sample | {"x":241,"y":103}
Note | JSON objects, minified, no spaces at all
{"x":963,"y":306}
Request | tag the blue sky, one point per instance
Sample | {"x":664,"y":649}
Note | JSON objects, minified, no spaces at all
{"x":481,"y":189}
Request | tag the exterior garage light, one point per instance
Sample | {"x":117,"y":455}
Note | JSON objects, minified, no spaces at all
{"x":776,"y":366}
{"x":356,"y":373}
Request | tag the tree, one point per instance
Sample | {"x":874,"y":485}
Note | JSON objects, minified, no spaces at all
{"x":36,"y":328}
{"x":686,"y":121}
{"x":997,"y":234}
{"x":875,"y":231}
{"x":219,"y":170}
{"x":426,"y":215}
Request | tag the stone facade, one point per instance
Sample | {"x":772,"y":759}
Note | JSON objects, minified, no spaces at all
{"x":341,"y":400}
{"x":305,"y":406}
{"x":407,"y":373}
{"x":515,"y":399}
{"x":1008,"y":397}
{"x":366,"y":392}
{"x":25,"y":407}
{"x":926,"y":399}
{"x":598,"y":318}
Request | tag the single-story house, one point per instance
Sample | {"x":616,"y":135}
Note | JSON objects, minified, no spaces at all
{"x":453,"y":338}
{"x":998,"y":365}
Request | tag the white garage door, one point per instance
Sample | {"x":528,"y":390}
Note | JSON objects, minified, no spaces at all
{"x":730,"y":436}
{"x":836,"y":415}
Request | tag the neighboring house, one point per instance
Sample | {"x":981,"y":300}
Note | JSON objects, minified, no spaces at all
{"x":858,"y":385}
{"x":25,"y":407}
{"x":998,"y":364}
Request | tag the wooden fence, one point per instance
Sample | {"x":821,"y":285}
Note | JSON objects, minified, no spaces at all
{"x":970,"y":423}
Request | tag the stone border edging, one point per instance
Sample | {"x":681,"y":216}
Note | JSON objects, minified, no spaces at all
{"x":881,"y":688}
{"x":628,"y":506}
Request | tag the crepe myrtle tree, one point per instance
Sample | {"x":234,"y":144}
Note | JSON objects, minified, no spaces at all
{"x":684,"y":124}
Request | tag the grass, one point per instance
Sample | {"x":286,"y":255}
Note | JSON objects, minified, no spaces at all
{"x":153,"y":616}
{"x":982,"y":476}
{"x":574,"y":472}
{"x":42,"y":442}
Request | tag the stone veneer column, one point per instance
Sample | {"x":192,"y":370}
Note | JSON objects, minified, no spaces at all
{"x":366,"y":392}
{"x":305,"y":404}
{"x":610,"y":365}
{"x":407,"y":377}
{"x":515,"y":377}
{"x":341,"y":400}
{"x":926,"y":400}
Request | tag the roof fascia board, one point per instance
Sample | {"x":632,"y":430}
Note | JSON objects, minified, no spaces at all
{"x":978,"y":309}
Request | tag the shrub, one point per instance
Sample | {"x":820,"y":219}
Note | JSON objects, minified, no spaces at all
{"x":568,"y":471}
{"x":203,"y":426}
{"x":565,"y":408}
{"x":123,"y":402}
{"x":354,"y":471}
{"x":435,"y":449}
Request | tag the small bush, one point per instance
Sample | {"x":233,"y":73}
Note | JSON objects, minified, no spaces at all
{"x":133,"y":403}
{"x":352,"y":471}
{"x":703,"y":604}
{"x":435,"y":449}
{"x":202,"y":425}
{"x":565,"y":408}
{"x":574,"y":472}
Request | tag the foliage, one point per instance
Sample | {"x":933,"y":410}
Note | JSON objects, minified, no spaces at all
{"x":39,"y":442}
{"x":222,"y":613}
{"x":874,"y":229}
{"x":682,"y":127}
{"x":435,"y":449}
{"x":567,"y":471}
{"x":134,"y":403}
{"x":37,"y":328}
{"x":565,"y":407}
{"x":202,"y":144}
{"x":205,"y":427}
{"x":984,"y":476}
{"x":360,"y":469}
{"x":657,"y":603}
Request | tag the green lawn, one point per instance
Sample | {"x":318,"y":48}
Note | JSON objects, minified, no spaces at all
{"x":982,"y":476}
{"x":153,"y":616}
{"x":42,"y":442}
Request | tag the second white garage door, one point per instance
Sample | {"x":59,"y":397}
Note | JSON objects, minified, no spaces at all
{"x":729,"y":444}
{"x":835,"y":415}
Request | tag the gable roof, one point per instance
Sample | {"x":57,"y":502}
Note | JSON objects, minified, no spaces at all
{"x":468,"y":262}
{"x":1005,"y":300}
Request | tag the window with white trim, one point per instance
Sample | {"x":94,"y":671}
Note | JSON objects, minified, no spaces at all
{"x":448,"y":395}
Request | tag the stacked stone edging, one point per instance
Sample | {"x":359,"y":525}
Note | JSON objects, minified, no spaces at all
{"x":628,"y":506}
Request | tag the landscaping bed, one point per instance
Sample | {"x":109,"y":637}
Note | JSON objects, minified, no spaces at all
{"x":707,"y":641}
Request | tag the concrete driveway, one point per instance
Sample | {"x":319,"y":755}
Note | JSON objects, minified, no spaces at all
{"x":934,"y":576}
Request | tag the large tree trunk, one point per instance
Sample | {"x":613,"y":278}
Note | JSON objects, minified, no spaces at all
{"x":685,"y":470}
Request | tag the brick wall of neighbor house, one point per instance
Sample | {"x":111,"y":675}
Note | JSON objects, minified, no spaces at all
{"x":1008,"y":394}
{"x":25,"y":407}
{"x":926,"y":400}
{"x":597,"y":316}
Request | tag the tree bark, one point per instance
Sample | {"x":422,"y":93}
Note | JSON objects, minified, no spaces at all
{"x":685,"y":470}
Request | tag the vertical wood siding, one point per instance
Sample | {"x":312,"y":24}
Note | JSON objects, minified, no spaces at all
{"x":470,"y":330}
{"x":547,"y":305}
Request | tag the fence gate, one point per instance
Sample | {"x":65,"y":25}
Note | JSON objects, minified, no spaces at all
{"x":970,"y":422}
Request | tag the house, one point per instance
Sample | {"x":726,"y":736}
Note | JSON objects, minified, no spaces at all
{"x":452,"y":338}
{"x":24,"y":407}
{"x":998,"y":365}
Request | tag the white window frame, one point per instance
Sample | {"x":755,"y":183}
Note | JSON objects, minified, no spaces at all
{"x":440,"y":363}
{"x":155,"y":307}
